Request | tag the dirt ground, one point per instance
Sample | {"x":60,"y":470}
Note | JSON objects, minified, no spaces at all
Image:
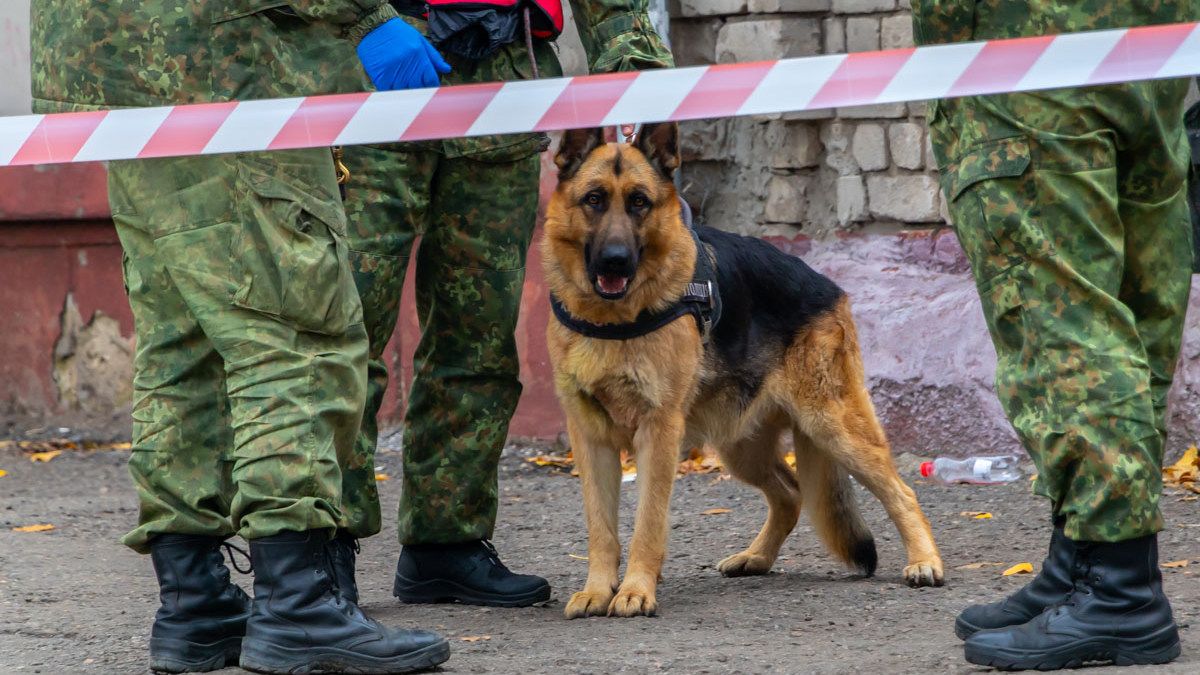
{"x":74,"y":600}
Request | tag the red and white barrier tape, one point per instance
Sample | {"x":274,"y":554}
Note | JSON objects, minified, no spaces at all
{"x":865,"y":78}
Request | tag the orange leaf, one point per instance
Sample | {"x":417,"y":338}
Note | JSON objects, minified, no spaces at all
{"x":1019,"y":568}
{"x":475,"y":638}
{"x":1186,"y":470}
{"x":34,"y":528}
{"x":3,"y":473}
{"x":982,"y":516}
{"x":380,"y":477}
{"x":44,"y":456}
{"x":1176,"y":563}
{"x":714,"y":512}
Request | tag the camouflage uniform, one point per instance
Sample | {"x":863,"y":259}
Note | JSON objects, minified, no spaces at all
{"x":250,"y":371}
{"x":1071,"y":206}
{"x":474,"y":203}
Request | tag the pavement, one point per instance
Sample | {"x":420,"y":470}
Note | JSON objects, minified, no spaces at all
{"x":73,"y":600}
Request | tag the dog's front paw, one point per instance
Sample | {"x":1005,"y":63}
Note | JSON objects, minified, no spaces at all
{"x":924,"y":573}
{"x":744,"y":564}
{"x":633,"y":601}
{"x":588,"y":603}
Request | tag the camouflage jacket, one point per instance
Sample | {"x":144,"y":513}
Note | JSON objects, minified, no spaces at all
{"x":152,"y":52}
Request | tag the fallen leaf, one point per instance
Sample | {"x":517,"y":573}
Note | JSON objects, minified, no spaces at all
{"x":577,"y":557}
{"x":1189,"y":498}
{"x":1176,"y":563}
{"x":3,"y":473}
{"x":714,"y":512}
{"x":44,"y":456}
{"x":380,"y":477}
{"x":1186,"y":472}
{"x":1019,"y":568}
{"x":34,"y":528}
{"x":975,"y":514}
{"x":978,"y":565}
{"x":475,"y":638}
{"x":982,"y":516}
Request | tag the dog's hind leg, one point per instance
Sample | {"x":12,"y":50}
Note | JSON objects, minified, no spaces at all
{"x":600,"y":474}
{"x":833,"y":409}
{"x":756,"y":460}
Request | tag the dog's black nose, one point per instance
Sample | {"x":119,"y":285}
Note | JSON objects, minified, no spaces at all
{"x":615,"y":258}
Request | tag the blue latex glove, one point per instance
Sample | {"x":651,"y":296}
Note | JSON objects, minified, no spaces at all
{"x":396,"y":56}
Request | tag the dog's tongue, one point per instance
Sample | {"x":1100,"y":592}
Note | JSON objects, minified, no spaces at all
{"x":612,"y":283}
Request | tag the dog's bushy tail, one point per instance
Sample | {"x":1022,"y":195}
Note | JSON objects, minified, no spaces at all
{"x":828,"y":497}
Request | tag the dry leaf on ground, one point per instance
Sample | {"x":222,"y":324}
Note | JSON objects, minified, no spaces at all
{"x":978,"y":565}
{"x":1176,"y":563}
{"x":577,"y":557}
{"x":1186,"y":472}
{"x":475,"y":638}
{"x":3,"y":473}
{"x":982,"y":516}
{"x":714,"y":512}
{"x":975,"y":514}
{"x":1019,"y":568}
{"x":34,"y":528}
{"x":380,"y":477}
{"x":44,"y":456}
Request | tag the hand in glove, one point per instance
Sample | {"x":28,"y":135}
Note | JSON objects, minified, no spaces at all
{"x":396,"y":56}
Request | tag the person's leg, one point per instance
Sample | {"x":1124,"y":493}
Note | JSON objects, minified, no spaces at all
{"x":1074,"y":374}
{"x":470,"y":273}
{"x":255,"y":246}
{"x":387,"y":198}
{"x":181,"y":459}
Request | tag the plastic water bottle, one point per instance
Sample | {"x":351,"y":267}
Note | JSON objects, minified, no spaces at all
{"x":977,"y":470}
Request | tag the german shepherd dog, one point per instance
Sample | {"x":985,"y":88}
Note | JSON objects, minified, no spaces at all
{"x":784,"y":357}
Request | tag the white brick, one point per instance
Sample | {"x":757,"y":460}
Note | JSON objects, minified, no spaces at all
{"x":799,"y":147}
{"x":862,"y":6}
{"x":783,"y":6}
{"x":835,"y":35}
{"x":688,"y":8}
{"x":911,"y":199}
{"x":918,"y":108}
{"x":907,"y":145}
{"x":862,"y":34}
{"x":851,"y":200}
{"x":870,"y":147}
{"x":835,"y":137}
{"x":897,"y":32}
{"x":767,"y":39}
{"x":786,"y":201}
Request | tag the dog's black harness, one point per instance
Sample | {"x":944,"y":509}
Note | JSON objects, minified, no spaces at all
{"x":701,"y":299}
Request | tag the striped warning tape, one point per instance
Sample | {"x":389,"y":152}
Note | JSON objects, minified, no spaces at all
{"x":865,"y":78}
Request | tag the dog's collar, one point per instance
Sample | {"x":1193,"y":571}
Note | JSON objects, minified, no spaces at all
{"x":701,"y":299}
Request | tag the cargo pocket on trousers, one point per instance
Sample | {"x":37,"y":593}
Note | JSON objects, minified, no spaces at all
{"x":293,"y":261}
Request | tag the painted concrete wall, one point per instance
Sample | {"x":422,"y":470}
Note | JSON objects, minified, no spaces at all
{"x":14,"y":57}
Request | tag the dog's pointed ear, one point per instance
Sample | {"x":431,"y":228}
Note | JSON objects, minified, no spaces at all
{"x":660,"y":144}
{"x":574,"y":148}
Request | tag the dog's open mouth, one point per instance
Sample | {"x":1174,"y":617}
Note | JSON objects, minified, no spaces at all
{"x":611,"y":286}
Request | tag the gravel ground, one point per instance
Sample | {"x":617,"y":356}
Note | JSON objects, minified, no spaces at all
{"x":74,"y":600}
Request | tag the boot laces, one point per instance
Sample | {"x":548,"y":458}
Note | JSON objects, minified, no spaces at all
{"x":1081,"y":569}
{"x":229,"y":551}
{"x":493,"y":555}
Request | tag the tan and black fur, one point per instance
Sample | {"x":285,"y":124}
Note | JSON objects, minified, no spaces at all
{"x":784,"y":358}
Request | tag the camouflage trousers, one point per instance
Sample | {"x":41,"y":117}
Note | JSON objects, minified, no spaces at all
{"x":1071,"y":206}
{"x":250,"y":370}
{"x":475,"y":218}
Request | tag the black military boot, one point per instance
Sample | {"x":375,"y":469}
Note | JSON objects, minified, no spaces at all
{"x":470,"y":573}
{"x":1117,"y":613}
{"x":1052,"y":584}
{"x":343,"y":549}
{"x":301,"y":623}
{"x":202,"y":618}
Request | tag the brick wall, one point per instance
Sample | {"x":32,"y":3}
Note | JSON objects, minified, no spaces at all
{"x":812,"y":173}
